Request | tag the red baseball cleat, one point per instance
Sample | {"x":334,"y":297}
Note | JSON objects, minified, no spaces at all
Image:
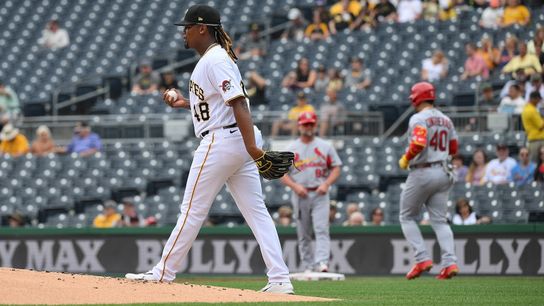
{"x":419,"y":268}
{"x":448,"y":272}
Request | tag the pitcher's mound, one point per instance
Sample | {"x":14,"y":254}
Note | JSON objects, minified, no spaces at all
{"x":32,"y":287}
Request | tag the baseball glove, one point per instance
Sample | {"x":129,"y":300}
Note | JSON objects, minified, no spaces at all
{"x":274,"y":164}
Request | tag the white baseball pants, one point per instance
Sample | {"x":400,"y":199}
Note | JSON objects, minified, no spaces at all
{"x":222,"y":158}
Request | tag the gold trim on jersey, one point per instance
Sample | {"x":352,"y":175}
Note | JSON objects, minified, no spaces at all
{"x":188,"y":209}
{"x":233,"y":98}
{"x":211,"y":46}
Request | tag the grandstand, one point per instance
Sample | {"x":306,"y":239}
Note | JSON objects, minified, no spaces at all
{"x":90,"y":80}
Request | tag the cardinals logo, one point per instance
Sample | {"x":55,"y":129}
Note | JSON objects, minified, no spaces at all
{"x":226,"y":86}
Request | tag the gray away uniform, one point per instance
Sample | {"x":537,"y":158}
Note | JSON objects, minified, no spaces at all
{"x":314,"y":161}
{"x":429,"y":186}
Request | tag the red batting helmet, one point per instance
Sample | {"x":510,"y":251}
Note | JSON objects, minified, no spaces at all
{"x":307,"y":117}
{"x":422,"y":91}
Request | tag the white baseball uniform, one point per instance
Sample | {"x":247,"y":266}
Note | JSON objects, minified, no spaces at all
{"x":220,"y":158}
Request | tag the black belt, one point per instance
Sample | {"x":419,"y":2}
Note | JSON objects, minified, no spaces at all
{"x":311,"y":188}
{"x":425,"y":165}
{"x":203,"y":134}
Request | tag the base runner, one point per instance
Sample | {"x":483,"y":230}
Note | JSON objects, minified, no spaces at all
{"x":432,"y":140}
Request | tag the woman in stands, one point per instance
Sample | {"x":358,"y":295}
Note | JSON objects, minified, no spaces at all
{"x":43,"y":144}
{"x":476,"y":171}
{"x":465,"y":215}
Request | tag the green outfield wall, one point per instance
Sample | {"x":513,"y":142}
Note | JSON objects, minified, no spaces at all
{"x":481,"y":249}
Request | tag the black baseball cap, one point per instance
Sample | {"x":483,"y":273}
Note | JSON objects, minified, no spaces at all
{"x":201,"y":14}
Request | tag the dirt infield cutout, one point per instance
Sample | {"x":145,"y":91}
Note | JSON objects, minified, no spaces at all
{"x":34,"y":287}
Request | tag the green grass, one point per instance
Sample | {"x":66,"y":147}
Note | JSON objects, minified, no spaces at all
{"x":465,"y":290}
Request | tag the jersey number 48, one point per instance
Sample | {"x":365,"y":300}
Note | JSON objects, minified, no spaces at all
{"x":202,"y":112}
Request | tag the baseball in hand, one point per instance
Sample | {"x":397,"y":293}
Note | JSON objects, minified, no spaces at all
{"x":173,"y":95}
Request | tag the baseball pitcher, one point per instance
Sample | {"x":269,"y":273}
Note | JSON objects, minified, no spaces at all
{"x":317,"y":166}
{"x":228,"y":152}
{"x":432,"y":138}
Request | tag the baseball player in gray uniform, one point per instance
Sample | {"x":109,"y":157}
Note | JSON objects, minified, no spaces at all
{"x":432,"y":140}
{"x":317,"y":168}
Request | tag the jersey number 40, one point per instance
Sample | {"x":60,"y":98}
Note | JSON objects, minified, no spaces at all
{"x":439,"y":140}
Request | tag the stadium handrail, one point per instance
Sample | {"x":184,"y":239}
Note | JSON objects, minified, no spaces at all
{"x":245,"y":230}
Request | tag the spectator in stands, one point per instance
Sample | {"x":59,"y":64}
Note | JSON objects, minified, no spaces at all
{"x":336,"y":82}
{"x":475,"y":65}
{"x":359,"y":77}
{"x":129,"y":217}
{"x":290,"y":124}
{"x":16,"y":220}
{"x":448,"y":10}
{"x":409,"y":10}
{"x":508,"y":49}
{"x":488,"y":52}
{"x":9,"y":102}
{"x":523,"y":173}
{"x":332,"y":114}
{"x":332,"y":214}
{"x":109,"y":217}
{"x":465,"y":215}
{"x":321,"y":80}
{"x":492,"y":15}
{"x":256,"y":88}
{"x":168,"y":81}
{"x":435,"y":68}
{"x":459,"y":169}
{"x":251,"y":45}
{"x":533,"y":124}
{"x":488,"y":99}
{"x":285,"y":216}
{"x":534,"y":46}
{"x":376,"y":217}
{"x":351,"y":208}
{"x":534,"y":84}
{"x":356,"y":219}
{"x":343,"y":14}
{"x":498,"y":170}
{"x":54,"y":37}
{"x":431,"y":10}
{"x":477,"y":169}
{"x":43,"y":144}
{"x":529,"y":62}
{"x":147,"y":81}
{"x":519,"y":78}
{"x":12,"y":143}
{"x":515,"y":13}
{"x":318,"y":29}
{"x":84,"y":142}
{"x":296,"y":27}
{"x":303,"y":76}
{"x":385,"y":11}
{"x":539,"y":173}
{"x":365,"y":20}
{"x":514,"y":102}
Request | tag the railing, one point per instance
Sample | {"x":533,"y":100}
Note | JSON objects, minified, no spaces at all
{"x":151,"y":126}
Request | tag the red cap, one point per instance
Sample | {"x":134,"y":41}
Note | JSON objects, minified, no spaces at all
{"x":420,"y":92}
{"x":307,"y":117}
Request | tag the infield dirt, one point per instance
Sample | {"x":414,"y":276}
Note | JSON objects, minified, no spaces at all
{"x":39,"y":287}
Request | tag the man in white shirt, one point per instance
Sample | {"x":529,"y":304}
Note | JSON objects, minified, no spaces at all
{"x":534,"y":84}
{"x":409,"y":10}
{"x":53,"y":37}
{"x":514,"y":102}
{"x":498,"y":170}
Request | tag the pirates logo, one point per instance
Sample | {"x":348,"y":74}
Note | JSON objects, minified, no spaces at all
{"x":226,"y":86}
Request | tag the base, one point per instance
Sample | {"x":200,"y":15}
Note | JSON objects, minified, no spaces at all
{"x":317,"y":276}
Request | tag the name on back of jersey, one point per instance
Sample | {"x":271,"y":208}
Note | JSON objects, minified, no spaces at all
{"x":196,"y":90}
{"x":438,"y":121}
